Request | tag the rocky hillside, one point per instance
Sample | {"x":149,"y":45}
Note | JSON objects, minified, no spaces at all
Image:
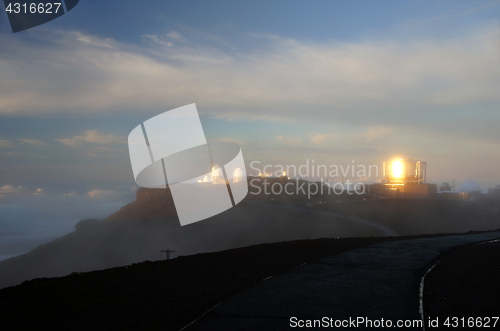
{"x":149,"y":204}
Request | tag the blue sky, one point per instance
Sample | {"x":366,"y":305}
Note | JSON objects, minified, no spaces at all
{"x":333,"y":81}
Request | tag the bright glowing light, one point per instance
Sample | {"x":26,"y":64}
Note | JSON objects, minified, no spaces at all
{"x":397,"y":169}
{"x":237,"y":175}
{"x":216,"y":171}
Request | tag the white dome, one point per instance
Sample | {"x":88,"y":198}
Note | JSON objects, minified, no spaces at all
{"x":470,"y":186}
{"x":237,"y":175}
{"x":216,"y":171}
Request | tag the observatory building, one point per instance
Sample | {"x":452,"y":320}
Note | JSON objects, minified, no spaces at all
{"x":405,"y":178}
{"x":217,"y":175}
{"x":469,"y":191}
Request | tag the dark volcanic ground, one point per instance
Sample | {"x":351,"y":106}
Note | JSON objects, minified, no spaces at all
{"x":170,"y":294}
{"x":465,"y":283}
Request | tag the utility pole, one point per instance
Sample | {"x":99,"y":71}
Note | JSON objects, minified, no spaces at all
{"x":167,"y":253}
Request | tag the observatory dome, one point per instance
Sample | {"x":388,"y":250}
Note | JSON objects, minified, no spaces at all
{"x":470,"y":186}
{"x":237,"y":175}
{"x":216,"y":171}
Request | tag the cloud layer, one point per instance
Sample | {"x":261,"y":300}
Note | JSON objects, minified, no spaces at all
{"x":32,"y":216}
{"x":92,"y":136}
{"x":288,"y":80}
{"x":431,"y":99}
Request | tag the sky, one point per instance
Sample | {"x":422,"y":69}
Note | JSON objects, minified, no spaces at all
{"x":337,"y":82}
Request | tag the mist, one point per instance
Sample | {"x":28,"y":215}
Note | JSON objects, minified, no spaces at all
{"x":31,"y":217}
{"x":140,"y":230}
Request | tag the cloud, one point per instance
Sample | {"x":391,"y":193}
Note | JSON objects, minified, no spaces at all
{"x":41,"y":191}
{"x":69,"y":141}
{"x":289,"y":140}
{"x":391,"y":82}
{"x":157,"y":40}
{"x":35,"y":142}
{"x":33,"y":216}
{"x":322,"y":139}
{"x":342,"y":137}
{"x":376,"y":133}
{"x":233,"y":140}
{"x":104,"y":194}
{"x":175,"y":35}
{"x":171,"y":37}
{"x":9,"y":189}
{"x":379,"y":96}
{"x":93,"y":137}
{"x":6,"y":144}
{"x":22,"y":196}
